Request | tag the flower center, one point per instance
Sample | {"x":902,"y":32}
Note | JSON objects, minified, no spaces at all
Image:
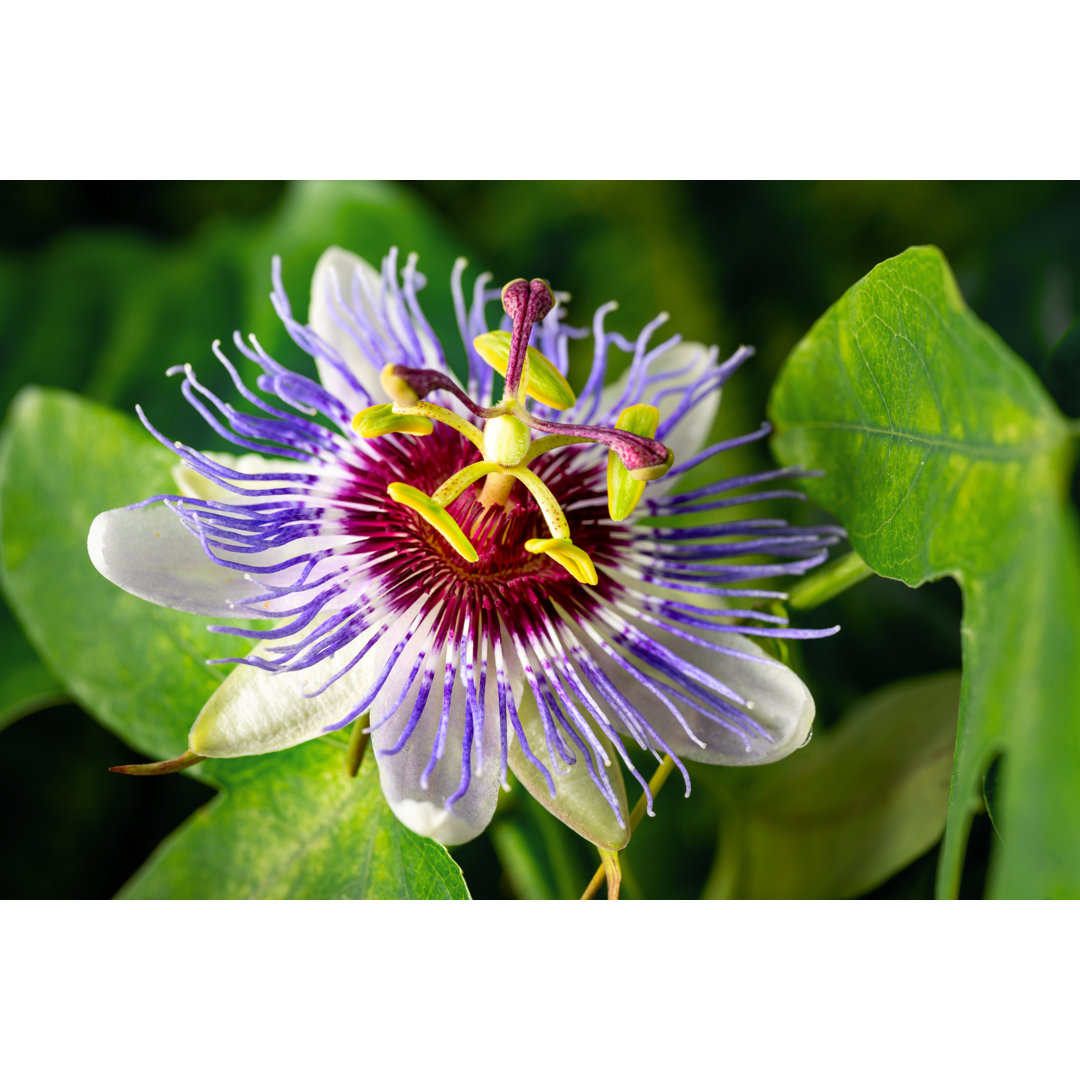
{"x":509,"y":452}
{"x":412,"y":557}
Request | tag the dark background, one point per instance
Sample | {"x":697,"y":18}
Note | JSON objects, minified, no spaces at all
{"x":732,"y":262}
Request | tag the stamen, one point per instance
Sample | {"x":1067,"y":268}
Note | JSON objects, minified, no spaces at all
{"x":552,"y":442}
{"x":444,"y":416}
{"x":462,"y":479}
{"x":382,"y":420}
{"x":567,"y":555}
{"x":436,"y":516}
{"x":549,"y":505}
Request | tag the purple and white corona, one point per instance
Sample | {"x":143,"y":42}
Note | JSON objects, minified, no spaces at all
{"x":486,"y":575}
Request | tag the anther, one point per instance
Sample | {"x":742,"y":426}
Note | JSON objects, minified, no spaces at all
{"x":567,"y":555}
{"x":382,"y":420}
{"x":397,"y":387}
{"x":436,"y":516}
{"x":626,"y":486}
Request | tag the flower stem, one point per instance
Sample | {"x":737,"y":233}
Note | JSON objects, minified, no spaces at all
{"x":358,"y":743}
{"x":597,"y":879}
{"x":609,"y":860}
{"x":837,"y":576}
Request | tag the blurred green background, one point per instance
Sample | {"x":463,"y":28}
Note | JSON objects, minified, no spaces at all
{"x":103,"y":286}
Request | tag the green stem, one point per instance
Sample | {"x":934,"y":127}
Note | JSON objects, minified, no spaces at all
{"x":608,"y":870}
{"x":358,"y":744}
{"x":833,"y":579}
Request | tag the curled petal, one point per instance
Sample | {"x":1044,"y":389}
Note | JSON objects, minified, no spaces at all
{"x":149,"y":553}
{"x":255,"y":711}
{"x":777,"y":706}
{"x":332,"y":297}
{"x":438,"y":753}
{"x":577,"y":802}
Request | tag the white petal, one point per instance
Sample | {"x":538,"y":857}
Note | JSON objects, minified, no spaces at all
{"x":691,"y":432}
{"x":329,"y":319}
{"x":423,"y":808}
{"x":255,"y":711}
{"x":779,"y":701}
{"x":578,"y":802}
{"x":149,"y":553}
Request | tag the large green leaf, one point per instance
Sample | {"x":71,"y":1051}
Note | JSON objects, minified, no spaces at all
{"x":294,"y":826}
{"x":26,"y":684}
{"x":852,"y":809}
{"x":944,"y":456}
{"x":286,"y":824}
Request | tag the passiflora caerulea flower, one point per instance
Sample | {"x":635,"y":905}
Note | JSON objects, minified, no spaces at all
{"x":487,"y":575}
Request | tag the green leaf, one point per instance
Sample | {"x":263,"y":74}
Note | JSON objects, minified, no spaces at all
{"x":287,"y":824}
{"x":944,"y":456}
{"x":845,"y":814}
{"x":292,"y":825}
{"x":26,"y":684}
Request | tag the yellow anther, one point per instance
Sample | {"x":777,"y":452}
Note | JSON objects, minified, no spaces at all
{"x":625,"y":487}
{"x":382,"y":420}
{"x":540,"y":378}
{"x":567,"y":555}
{"x":396,"y":388}
{"x":436,"y":516}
